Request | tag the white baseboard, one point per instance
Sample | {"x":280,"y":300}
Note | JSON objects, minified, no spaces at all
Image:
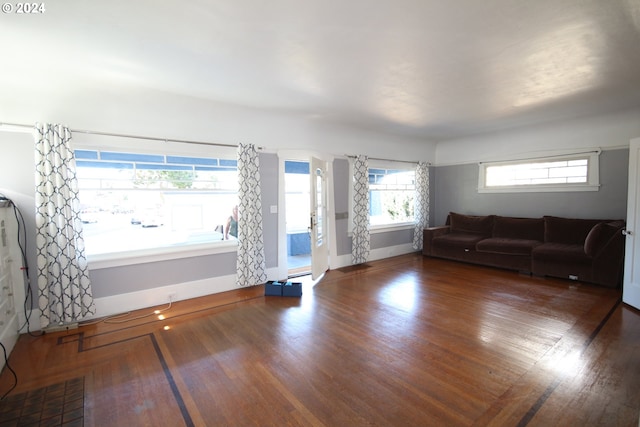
{"x":122,"y":303}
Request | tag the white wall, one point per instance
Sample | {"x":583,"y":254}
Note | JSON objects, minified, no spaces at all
{"x":17,"y":180}
{"x":607,"y":132}
{"x":144,"y":112}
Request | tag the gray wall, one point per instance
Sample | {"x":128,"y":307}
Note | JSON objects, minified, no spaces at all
{"x":130,"y":278}
{"x":269,"y":179}
{"x":17,"y":183}
{"x":454,"y":189}
{"x":341,"y":203}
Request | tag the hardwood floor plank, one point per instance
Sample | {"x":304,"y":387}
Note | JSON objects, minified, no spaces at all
{"x":131,"y":387}
{"x":590,"y":372}
{"x":403,"y":341}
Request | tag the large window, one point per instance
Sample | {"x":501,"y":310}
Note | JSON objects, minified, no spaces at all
{"x":391,"y":196}
{"x":558,"y":173}
{"x":133,"y":201}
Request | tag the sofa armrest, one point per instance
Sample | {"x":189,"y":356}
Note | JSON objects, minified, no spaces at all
{"x":608,"y":263}
{"x":602,"y":237}
{"x":429,"y":233}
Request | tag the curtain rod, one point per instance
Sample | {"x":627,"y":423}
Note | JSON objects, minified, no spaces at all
{"x":152,"y":138}
{"x":544,"y":157}
{"x":387,"y":160}
{"x":119,"y":135}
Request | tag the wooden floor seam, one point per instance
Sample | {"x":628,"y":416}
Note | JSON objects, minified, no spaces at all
{"x":551,"y":388}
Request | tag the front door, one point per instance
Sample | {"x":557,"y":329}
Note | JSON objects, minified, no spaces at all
{"x":318,"y":221}
{"x":631,"y":287}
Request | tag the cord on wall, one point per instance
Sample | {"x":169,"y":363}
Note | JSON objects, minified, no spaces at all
{"x":123,"y":318}
{"x":15,"y":376}
{"x":22,"y":237}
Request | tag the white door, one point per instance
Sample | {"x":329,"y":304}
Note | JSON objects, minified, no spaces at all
{"x":631,"y":287}
{"x":318,"y":223}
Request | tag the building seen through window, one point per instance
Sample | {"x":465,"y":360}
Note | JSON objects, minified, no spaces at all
{"x":135,"y":201}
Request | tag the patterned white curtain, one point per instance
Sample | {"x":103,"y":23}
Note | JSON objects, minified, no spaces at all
{"x":251,"y":267}
{"x":360,"y":244}
{"x":421,"y":203}
{"x":64,"y":288}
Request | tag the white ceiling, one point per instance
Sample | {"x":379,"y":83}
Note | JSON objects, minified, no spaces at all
{"x":431,"y":69}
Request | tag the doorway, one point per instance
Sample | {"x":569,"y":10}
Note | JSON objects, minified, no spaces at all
{"x":297,"y":202}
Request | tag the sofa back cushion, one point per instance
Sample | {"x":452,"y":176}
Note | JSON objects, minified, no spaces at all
{"x":568,"y":231}
{"x":518,"y":228}
{"x":482,"y":225}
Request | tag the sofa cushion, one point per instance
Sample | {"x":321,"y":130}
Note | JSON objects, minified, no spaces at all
{"x":561,"y":253}
{"x":482,"y":225}
{"x":457,"y":240}
{"x":599,"y":235}
{"x":566,"y":230}
{"x":518,"y":228}
{"x":507,"y":246}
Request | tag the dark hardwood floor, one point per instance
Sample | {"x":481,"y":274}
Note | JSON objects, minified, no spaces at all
{"x":407,"y":341}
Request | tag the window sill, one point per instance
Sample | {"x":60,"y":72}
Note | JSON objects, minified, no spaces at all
{"x":142,"y":256}
{"x":373,"y":229}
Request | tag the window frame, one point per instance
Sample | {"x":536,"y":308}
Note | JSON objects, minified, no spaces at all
{"x":592,"y":184}
{"x":379,"y":228}
{"x":163,"y":253}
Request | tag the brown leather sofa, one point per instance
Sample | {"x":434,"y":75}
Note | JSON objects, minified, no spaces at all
{"x":588,"y":250}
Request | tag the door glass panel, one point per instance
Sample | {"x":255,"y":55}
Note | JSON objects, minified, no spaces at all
{"x":320,"y":220}
{"x":319,"y":208}
{"x":298,"y":198}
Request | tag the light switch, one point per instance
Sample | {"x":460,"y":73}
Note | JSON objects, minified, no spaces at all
{"x":274,"y":209}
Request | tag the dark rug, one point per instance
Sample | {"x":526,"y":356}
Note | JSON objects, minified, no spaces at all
{"x":59,"y":404}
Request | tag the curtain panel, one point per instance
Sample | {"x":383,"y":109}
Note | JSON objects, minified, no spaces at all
{"x":421,"y":203}
{"x":251,"y":269}
{"x":360,"y":243}
{"x":64,"y":288}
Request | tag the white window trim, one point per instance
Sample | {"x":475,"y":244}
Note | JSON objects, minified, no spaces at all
{"x":382,"y":228}
{"x":373,"y":229}
{"x":592,"y":184}
{"x":378,"y":229}
{"x":143,"y":256}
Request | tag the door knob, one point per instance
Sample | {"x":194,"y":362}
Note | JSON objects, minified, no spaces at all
{"x":627,"y":232}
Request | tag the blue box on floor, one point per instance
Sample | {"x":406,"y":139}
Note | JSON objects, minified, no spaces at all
{"x":273,"y":287}
{"x":292,"y":289}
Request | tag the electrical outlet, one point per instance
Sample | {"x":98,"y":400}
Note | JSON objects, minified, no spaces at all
{"x":171,"y":296}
